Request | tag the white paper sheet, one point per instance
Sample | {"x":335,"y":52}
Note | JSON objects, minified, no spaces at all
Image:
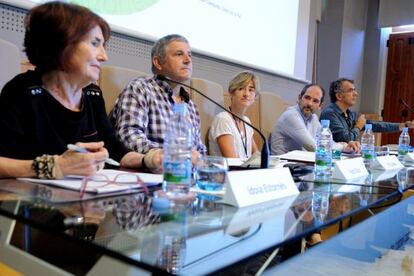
{"x":299,"y":155}
{"x":123,"y":181}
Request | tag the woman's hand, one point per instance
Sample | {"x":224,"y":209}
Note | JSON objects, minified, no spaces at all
{"x":71,"y":162}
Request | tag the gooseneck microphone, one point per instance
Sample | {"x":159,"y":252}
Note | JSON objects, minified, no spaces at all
{"x":404,"y":112}
{"x":264,"y":162}
{"x":405,"y":104}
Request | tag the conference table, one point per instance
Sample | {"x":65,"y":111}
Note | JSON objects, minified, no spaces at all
{"x":47,"y":229}
{"x":382,"y":245}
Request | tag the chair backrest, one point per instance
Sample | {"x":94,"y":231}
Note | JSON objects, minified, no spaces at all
{"x":271,"y":107}
{"x":113,"y":80}
{"x":253,"y":114}
{"x":10,"y":60}
{"x":207,"y":109}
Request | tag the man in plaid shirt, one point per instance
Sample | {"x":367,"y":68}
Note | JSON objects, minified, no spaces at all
{"x":143,"y":109}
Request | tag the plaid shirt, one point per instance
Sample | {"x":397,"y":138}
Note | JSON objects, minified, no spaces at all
{"x":143,"y":110}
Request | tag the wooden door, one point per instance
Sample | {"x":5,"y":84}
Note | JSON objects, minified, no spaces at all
{"x":399,"y":85}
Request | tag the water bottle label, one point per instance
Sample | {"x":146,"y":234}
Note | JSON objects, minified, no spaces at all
{"x":368,"y":155}
{"x":177,"y":172}
{"x":402,"y":151}
{"x":321,"y":162}
{"x":322,"y":159}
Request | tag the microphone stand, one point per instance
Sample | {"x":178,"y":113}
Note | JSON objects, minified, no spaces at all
{"x":404,"y":112}
{"x":264,"y":161}
{"x":404,"y":103}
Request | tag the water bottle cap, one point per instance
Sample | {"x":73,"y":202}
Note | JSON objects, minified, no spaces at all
{"x":368,"y":126}
{"x":180,"y":108}
{"x":325,"y":123}
{"x":405,"y":129}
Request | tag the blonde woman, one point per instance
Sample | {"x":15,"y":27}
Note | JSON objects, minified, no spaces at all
{"x":229,"y":136}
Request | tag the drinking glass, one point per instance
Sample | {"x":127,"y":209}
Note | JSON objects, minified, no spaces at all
{"x":336,"y":154}
{"x":402,"y":179}
{"x":211,"y":173}
{"x":382,"y":150}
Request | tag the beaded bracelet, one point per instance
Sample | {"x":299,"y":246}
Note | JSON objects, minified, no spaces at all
{"x":46,"y":167}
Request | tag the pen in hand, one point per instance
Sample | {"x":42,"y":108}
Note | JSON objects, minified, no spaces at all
{"x":83,"y":150}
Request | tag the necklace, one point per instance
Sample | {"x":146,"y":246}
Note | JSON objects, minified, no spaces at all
{"x":242,"y":132}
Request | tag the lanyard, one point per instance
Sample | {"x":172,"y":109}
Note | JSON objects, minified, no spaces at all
{"x":244,"y":142}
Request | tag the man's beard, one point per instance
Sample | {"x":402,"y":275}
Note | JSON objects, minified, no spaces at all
{"x":309,"y":112}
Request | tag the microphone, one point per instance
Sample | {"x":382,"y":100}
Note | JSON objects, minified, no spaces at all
{"x":264,"y":161}
{"x":404,"y":103}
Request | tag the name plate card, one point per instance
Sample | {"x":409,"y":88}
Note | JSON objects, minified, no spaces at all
{"x":383,"y":175}
{"x":245,"y":188}
{"x":246,"y":217}
{"x":349,"y":169}
{"x":386,"y":163}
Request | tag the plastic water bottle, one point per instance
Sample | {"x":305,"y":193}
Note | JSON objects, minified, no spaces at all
{"x":323,"y":154}
{"x":320,"y":206}
{"x":177,"y":153}
{"x":173,"y":241}
{"x":368,"y":146}
{"x":403,"y":144}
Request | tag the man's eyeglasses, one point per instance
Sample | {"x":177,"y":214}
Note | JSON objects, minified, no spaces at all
{"x":351,"y":90}
{"x":98,"y":181}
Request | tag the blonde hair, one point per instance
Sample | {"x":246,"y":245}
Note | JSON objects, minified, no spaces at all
{"x":241,"y":80}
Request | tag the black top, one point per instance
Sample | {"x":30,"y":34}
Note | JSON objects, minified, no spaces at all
{"x":33,"y":122}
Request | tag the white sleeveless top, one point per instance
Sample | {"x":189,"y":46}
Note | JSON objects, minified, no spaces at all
{"x":223,"y":124}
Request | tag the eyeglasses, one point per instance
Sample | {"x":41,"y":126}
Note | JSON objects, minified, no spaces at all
{"x":351,"y":90}
{"x":99,"y":181}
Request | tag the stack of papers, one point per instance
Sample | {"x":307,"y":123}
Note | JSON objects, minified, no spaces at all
{"x":299,"y":155}
{"x":254,"y":162}
{"x":98,"y":183}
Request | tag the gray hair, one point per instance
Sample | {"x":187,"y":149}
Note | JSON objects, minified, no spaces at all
{"x":337,"y":87}
{"x":159,"y":48}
